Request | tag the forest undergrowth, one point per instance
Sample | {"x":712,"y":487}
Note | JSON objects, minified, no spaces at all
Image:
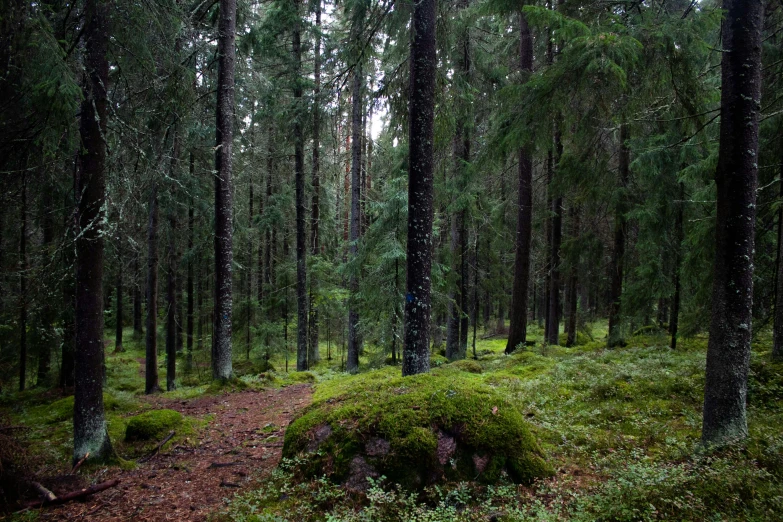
{"x":621,"y":427}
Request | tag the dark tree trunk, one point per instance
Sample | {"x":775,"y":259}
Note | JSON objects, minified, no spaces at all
{"x":616,"y":337}
{"x":171,"y":306}
{"x":573,"y":280}
{"x":518,"y":329}
{"x":728,"y":350}
{"x":138,"y":330}
{"x":777,"y":330}
{"x":89,"y":422}
{"x":200,"y":305}
{"x":679,"y":236}
{"x":191,"y":239}
{"x":553,"y":335}
{"x":48,"y":310}
{"x":249,"y":282}
{"x":354,"y":340}
{"x":423,"y":63}
{"x":301,"y":235}
{"x":23,"y":287}
{"x":453,"y":320}
{"x":151,"y":361}
{"x":313,"y":352}
{"x":269,"y":271}
{"x":224,"y":210}
{"x":119,"y":315}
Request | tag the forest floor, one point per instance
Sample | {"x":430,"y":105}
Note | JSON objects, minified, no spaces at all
{"x":243,"y":440}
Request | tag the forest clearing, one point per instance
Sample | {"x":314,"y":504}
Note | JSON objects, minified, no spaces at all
{"x":391,"y":260}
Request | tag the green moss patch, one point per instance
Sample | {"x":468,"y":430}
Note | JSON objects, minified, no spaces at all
{"x":152,"y":425}
{"x":415,"y":431}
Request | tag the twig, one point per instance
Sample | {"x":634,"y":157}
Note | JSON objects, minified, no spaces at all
{"x":157,"y":448}
{"x":79,"y":463}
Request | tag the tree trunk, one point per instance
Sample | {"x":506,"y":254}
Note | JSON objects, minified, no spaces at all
{"x":151,"y":362}
{"x":89,"y":422}
{"x":423,"y":63}
{"x":616,"y":337}
{"x":118,"y":309}
{"x":224,"y":210}
{"x":354,"y":340}
{"x":191,"y":240}
{"x":48,"y":310}
{"x":455,"y":299}
{"x":679,"y":236}
{"x":518,"y":330}
{"x":553,"y":335}
{"x":138,"y":330}
{"x":301,"y":236}
{"x":777,"y":330}
{"x":573,"y":279}
{"x":23,"y":286}
{"x":313,"y":352}
{"x":728,"y":350}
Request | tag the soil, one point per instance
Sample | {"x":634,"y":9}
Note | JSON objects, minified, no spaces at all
{"x":190,"y":481}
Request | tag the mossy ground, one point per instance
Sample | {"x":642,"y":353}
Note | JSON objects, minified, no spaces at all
{"x":621,"y":426}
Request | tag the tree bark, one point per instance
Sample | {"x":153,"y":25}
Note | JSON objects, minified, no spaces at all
{"x":573,"y":280}
{"x":679,"y":236}
{"x":151,"y":361}
{"x":191,"y":239}
{"x":728,"y":350}
{"x":118,"y":312}
{"x":423,"y":63}
{"x":302,"y":362}
{"x":553,"y":335}
{"x":615,"y":337}
{"x":23,"y":286}
{"x":89,"y":421}
{"x":138,"y":331}
{"x":313,"y":352}
{"x":518,"y":329}
{"x":354,"y":340}
{"x":224,"y":210}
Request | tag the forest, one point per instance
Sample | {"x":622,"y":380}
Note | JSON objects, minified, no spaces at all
{"x":391,"y":260}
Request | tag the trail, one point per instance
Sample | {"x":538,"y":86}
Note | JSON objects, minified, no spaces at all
{"x":188,"y":482}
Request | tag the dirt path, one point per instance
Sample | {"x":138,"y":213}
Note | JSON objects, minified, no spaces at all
{"x":188,"y":483}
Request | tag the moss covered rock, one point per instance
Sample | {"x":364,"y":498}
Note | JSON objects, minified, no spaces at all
{"x":152,"y":425}
{"x":416,"y":431}
{"x":467,"y":365}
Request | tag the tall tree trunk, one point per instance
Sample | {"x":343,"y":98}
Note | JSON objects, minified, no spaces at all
{"x":224,"y":209}
{"x":313,"y":353}
{"x":151,"y":362}
{"x":616,"y":337}
{"x":518,"y":330}
{"x":249,"y":282}
{"x":191,"y":240}
{"x":23,"y":286}
{"x":679,"y":236}
{"x":138,"y":330}
{"x":453,"y":319}
{"x":573,"y":279}
{"x":301,"y":236}
{"x":89,"y":421}
{"x":728,"y":350}
{"x":119,"y":314}
{"x":553,"y":336}
{"x":423,"y":63}
{"x":777,"y":330}
{"x":269,"y":260}
{"x":357,"y":109}
{"x":48,"y":310}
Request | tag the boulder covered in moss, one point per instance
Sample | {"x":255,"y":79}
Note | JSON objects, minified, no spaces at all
{"x":152,"y":425}
{"x":415,"y":431}
{"x":467,"y":365}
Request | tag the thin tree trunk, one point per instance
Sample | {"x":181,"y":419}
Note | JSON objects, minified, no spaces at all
{"x":191,"y":239}
{"x":615,"y":337}
{"x":48,"y":310}
{"x":455,"y":297}
{"x":23,"y":286}
{"x":518,"y":330}
{"x":674,"y":320}
{"x":423,"y":63}
{"x":151,"y":363}
{"x":573,"y":279}
{"x":357,"y":109}
{"x":553,"y":336}
{"x":138,"y":330}
{"x":249,"y":282}
{"x":89,"y":422}
{"x":728,"y":350}
{"x":224,"y":210}
{"x":301,"y":240}
{"x":313,"y":354}
{"x":119,"y":314}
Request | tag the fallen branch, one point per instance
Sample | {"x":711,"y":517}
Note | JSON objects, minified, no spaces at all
{"x":73,"y":495}
{"x":157,"y":448}
{"x":45,"y":493}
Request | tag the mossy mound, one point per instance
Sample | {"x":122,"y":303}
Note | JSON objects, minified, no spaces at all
{"x":305,"y":377}
{"x":466,"y":365}
{"x":415,"y":430}
{"x":152,"y":425}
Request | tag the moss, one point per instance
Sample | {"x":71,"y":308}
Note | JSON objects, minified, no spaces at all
{"x":304,"y":377}
{"x":152,"y":425}
{"x":437,"y":360}
{"x":466,"y":365}
{"x":395,"y":424}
